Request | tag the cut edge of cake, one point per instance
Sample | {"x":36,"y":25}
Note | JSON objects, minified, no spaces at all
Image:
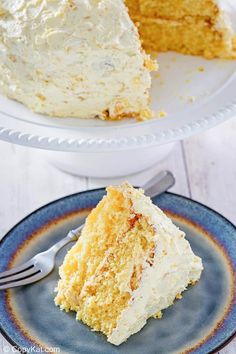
{"x":204,"y":28}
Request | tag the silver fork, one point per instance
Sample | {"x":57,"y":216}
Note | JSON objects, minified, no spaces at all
{"x":43,"y":263}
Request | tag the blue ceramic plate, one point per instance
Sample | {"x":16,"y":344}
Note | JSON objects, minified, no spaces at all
{"x":202,"y":322}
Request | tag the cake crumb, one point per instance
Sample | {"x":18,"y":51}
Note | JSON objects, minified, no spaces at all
{"x":150,"y":64}
{"x":158,"y":315}
{"x":161,"y":114}
{"x":192,"y":282}
{"x":145,"y":114}
{"x":201,"y":69}
{"x":178,"y":296}
{"x":157,"y":75}
{"x":191,"y":99}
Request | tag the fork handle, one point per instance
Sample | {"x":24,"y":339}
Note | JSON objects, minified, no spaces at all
{"x":159,"y":184}
{"x":70,"y":237}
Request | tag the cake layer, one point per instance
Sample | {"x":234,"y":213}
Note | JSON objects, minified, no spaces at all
{"x":204,"y":27}
{"x":133,"y":6}
{"x":190,"y":36}
{"x":176,"y":9}
{"x":100,"y":272}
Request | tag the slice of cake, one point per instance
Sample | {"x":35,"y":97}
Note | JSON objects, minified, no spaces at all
{"x":129,"y":264}
{"x":198,"y":27}
{"x":74,"y":58}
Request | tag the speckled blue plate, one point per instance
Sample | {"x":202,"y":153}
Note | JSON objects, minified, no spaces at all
{"x":202,"y":322}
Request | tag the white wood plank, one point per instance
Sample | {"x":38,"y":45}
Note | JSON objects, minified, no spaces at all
{"x":211,"y":163}
{"x":27,"y":181}
{"x":5,"y":347}
{"x":174,"y":163}
{"x":230,"y":348}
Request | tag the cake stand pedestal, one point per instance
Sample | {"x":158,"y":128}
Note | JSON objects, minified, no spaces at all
{"x":108,"y":164}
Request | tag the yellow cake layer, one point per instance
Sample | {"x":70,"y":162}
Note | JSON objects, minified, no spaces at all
{"x":170,"y":9}
{"x":109,"y":254}
{"x":188,"y":37}
{"x":185,"y":26}
{"x":133,"y":6}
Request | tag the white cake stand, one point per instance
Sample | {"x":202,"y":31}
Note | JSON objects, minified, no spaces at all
{"x":196,"y":94}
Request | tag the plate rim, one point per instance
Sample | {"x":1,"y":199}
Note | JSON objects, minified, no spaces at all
{"x":7,"y":234}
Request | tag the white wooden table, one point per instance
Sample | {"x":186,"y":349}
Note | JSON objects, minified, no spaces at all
{"x":204,"y":167}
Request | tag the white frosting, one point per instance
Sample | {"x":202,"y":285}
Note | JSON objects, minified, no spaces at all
{"x":228,"y":8}
{"x":174,"y":267}
{"x":72,"y":57}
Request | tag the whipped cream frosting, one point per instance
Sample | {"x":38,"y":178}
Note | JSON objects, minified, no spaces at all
{"x":79,"y":58}
{"x":228,"y":8}
{"x":174,"y":267}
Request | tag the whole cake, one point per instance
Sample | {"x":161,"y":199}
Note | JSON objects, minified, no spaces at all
{"x":74,"y":58}
{"x":83,"y":58}
{"x":129,"y":264}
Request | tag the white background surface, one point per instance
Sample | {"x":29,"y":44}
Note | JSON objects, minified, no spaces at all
{"x":204,"y":166}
